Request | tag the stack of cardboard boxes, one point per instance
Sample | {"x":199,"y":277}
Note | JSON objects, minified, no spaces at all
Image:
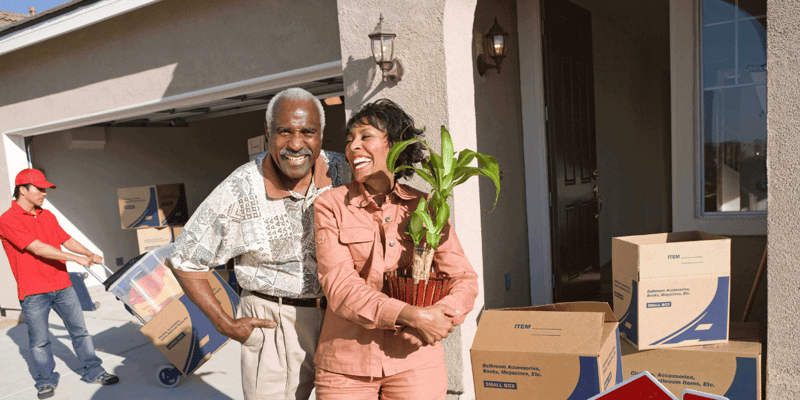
{"x":671,"y":298}
{"x":157,"y":212}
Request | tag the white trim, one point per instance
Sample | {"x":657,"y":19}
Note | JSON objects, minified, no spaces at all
{"x":534,"y":142}
{"x":68,"y":22}
{"x":685,"y":47}
{"x":284,"y":79}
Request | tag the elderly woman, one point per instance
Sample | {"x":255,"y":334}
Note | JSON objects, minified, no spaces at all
{"x":373,"y":346}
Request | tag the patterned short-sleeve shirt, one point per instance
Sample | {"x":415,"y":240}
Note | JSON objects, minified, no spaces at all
{"x":270,"y":239}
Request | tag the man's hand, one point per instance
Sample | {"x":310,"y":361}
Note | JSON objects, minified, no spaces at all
{"x":83,"y":260}
{"x":241,"y":329}
{"x":96,"y":259}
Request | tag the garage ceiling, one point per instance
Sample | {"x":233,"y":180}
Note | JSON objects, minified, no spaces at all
{"x":180,"y":117}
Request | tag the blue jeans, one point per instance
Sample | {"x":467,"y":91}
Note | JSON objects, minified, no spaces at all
{"x":36,"y":309}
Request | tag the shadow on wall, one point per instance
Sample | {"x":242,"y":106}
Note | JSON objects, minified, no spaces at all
{"x":360,"y":74}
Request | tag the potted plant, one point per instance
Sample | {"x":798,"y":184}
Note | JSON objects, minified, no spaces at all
{"x":421,"y":286}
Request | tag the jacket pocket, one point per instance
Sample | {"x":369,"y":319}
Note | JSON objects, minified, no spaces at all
{"x":360,"y":240}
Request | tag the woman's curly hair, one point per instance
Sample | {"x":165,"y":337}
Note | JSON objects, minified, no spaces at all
{"x":387,"y":116}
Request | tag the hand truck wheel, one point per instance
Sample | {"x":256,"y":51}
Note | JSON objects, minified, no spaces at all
{"x":168,"y":376}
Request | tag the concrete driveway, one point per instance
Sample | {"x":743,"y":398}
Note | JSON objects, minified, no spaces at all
{"x":125,"y":352}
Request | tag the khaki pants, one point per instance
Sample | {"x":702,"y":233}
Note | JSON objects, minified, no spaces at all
{"x":426,"y":382}
{"x":278,"y":364}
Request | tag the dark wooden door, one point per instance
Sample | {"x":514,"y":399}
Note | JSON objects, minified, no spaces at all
{"x":569,"y":101}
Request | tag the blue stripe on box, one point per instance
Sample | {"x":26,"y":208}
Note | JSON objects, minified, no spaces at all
{"x":179,"y":214}
{"x":619,"y":359}
{"x":588,"y":382}
{"x":715,"y":314}
{"x":150,"y":210}
{"x":744,"y":385}
{"x":201,"y":327}
{"x":631,"y":316}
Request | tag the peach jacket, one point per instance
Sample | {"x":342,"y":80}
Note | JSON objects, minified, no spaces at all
{"x":356,"y":242}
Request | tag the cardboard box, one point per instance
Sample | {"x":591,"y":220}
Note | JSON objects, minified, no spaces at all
{"x":731,"y":369}
{"x":557,"y":351}
{"x":184,"y":334}
{"x":152,"y":206}
{"x":672,"y":289}
{"x":256,"y":146}
{"x":152,"y":238}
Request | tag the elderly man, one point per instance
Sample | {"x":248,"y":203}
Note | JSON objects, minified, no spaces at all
{"x":262,"y":216}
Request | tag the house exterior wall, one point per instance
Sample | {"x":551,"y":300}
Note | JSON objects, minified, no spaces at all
{"x":165,"y":49}
{"x":783,"y":171}
{"x":499,"y":134}
{"x":434,"y":42}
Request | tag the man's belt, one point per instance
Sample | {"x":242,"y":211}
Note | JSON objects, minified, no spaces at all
{"x":319,"y":302}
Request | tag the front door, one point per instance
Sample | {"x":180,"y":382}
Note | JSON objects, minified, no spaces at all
{"x":572,"y":155}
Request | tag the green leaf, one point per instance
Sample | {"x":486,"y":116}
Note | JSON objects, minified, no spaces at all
{"x":491,"y":170}
{"x":447,"y":151}
{"x":433,"y":239}
{"x":422,"y":214}
{"x":465,"y":157}
{"x":415,"y":226}
{"x":395,"y":151}
{"x":442,"y":213}
{"x":424,"y":175}
{"x":438,"y":168}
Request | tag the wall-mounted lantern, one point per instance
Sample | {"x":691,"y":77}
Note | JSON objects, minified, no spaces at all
{"x":382,"y":38}
{"x":496,"y":41}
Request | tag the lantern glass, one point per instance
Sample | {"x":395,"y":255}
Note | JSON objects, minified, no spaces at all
{"x":383,"y":50}
{"x":498,"y":46}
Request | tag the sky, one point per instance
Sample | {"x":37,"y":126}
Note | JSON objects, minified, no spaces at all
{"x":21,"y":6}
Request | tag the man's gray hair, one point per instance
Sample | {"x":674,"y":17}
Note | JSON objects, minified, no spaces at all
{"x":292,"y":94}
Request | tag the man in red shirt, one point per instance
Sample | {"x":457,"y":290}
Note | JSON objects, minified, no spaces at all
{"x":32,"y":240}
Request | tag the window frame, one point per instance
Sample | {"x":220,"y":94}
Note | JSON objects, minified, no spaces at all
{"x":686,"y":96}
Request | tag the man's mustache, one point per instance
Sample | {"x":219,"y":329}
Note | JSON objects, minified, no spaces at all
{"x":291,"y":153}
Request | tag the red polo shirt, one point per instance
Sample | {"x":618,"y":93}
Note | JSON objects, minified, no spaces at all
{"x":34,"y":275}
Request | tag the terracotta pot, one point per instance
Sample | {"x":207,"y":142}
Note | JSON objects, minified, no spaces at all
{"x":401,"y":286}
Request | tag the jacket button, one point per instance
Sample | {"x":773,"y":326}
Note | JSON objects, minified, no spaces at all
{"x":391,"y":244}
{"x":388,"y":219}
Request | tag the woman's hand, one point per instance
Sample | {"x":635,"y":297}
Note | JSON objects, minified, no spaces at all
{"x":432,"y":323}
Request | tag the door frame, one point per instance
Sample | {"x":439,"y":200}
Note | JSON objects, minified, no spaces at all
{"x":534,"y":143}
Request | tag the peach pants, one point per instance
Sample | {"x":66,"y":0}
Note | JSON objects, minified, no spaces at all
{"x":426,"y":382}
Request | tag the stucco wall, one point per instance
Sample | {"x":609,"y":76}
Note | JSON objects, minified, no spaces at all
{"x":200,"y":156}
{"x":499,"y":133}
{"x":434,"y":43}
{"x":168,"y":48}
{"x":783,"y":220}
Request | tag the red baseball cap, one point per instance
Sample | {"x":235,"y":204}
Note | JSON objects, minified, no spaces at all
{"x":34,"y":176}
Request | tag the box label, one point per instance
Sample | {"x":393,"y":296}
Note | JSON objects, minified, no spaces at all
{"x":719,"y":378}
{"x":670,"y":312}
{"x":500,"y":385}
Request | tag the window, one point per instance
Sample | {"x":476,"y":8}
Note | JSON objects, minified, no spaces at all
{"x":734,"y":116}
